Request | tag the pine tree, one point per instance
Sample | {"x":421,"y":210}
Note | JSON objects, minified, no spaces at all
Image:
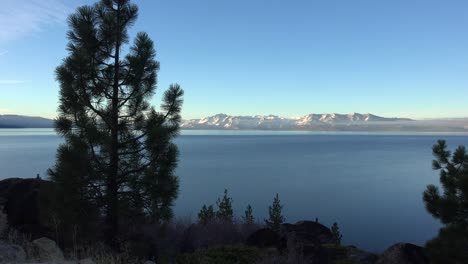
{"x":248,"y":215}
{"x":450,"y":207}
{"x":225,"y":211}
{"x":118,"y":153}
{"x":275,"y":215}
{"x":336,"y":233}
{"x":206,"y":214}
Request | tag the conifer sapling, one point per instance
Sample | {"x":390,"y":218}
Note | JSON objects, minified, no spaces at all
{"x":225,"y":211}
{"x":336,"y":233}
{"x":248,"y":215}
{"x":275,"y":215}
{"x":206,"y":214}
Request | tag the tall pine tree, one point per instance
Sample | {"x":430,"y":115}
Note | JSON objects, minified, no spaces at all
{"x":118,"y":153}
{"x":450,"y":206}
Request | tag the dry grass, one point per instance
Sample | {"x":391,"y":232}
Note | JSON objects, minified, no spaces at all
{"x":101,"y":254}
{"x":15,"y":237}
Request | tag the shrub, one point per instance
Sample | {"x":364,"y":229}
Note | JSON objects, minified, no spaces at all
{"x":222,"y":255}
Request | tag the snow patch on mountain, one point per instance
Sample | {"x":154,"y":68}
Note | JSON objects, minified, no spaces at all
{"x":224,"y":121}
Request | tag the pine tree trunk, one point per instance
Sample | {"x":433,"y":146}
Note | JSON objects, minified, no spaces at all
{"x":113,"y":202}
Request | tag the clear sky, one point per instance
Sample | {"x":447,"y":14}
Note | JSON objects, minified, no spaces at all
{"x":406,"y":58}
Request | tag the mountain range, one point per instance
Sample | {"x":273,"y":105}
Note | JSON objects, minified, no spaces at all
{"x":310,"y":122}
{"x":327,"y":122}
{"x":18,"y":121}
{"x":273,"y":122}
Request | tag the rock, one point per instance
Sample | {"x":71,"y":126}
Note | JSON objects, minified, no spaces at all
{"x":47,"y":250}
{"x":307,"y":238}
{"x":264,"y":238}
{"x":308,"y":232}
{"x":149,"y":262}
{"x":11,"y":253}
{"x":403,"y":253}
{"x":22,"y":204}
{"x":304,"y":234}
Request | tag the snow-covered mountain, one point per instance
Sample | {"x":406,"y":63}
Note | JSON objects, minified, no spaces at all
{"x":311,"y":121}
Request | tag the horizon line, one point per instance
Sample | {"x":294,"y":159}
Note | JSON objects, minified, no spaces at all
{"x":280,"y":116}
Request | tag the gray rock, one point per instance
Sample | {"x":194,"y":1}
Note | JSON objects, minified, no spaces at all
{"x":11,"y":253}
{"x":403,"y":253}
{"x":47,"y":250}
{"x":149,"y":262}
{"x":308,"y":232}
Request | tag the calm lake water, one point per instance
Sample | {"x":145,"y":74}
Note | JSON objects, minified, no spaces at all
{"x":371,"y":184}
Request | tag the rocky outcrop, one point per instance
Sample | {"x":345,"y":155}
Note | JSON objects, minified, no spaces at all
{"x":24,"y":205}
{"x":11,"y":253}
{"x":47,"y":250}
{"x":314,"y":243}
{"x":306,"y":238}
{"x":403,"y":253}
{"x":303,"y":233}
{"x":307,"y":232}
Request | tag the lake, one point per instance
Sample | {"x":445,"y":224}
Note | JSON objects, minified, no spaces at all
{"x":371,"y":184}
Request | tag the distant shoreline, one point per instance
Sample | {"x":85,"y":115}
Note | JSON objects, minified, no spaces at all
{"x":253,"y":132}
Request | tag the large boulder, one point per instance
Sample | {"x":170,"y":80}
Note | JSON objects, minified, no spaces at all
{"x":306,"y":238}
{"x":403,"y":253}
{"x":308,"y":232}
{"x":11,"y":253}
{"x":303,"y":234}
{"x":25,"y":205}
{"x":47,"y":250}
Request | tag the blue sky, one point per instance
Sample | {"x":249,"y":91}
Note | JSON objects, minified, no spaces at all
{"x":245,"y":57}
